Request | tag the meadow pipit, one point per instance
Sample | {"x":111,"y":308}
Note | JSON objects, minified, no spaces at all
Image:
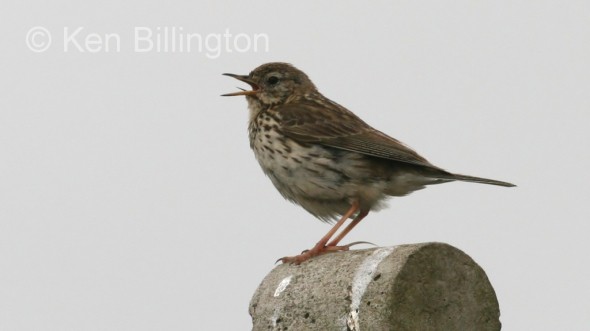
{"x":324,"y":158}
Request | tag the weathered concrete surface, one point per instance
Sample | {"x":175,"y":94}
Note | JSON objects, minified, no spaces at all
{"x":430,"y":286}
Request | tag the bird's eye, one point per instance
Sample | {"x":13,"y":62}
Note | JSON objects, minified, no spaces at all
{"x":272,"y":80}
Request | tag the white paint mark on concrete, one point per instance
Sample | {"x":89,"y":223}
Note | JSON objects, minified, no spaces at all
{"x":362,"y":279}
{"x":276,"y":314}
{"x":283,"y":285}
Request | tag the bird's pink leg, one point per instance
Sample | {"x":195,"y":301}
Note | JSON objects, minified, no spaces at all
{"x":346,"y":230}
{"x":322,"y":246}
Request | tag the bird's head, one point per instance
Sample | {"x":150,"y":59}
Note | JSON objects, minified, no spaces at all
{"x":274,"y":83}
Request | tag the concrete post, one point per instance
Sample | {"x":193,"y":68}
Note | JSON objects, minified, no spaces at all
{"x":430,"y":286}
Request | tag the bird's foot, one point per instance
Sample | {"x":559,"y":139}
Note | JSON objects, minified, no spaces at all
{"x":358,"y":243}
{"x":318,"y":250}
{"x":315,"y":251}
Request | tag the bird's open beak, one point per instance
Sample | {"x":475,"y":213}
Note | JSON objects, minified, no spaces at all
{"x":243,"y":78}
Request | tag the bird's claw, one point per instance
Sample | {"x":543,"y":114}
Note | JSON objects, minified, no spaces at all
{"x":359,"y":243}
{"x":297,"y":259}
{"x":315,"y":251}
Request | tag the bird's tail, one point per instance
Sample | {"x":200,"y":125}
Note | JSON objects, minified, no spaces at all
{"x":480,"y":180}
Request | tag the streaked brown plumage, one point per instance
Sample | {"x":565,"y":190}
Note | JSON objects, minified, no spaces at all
{"x":323,"y":157}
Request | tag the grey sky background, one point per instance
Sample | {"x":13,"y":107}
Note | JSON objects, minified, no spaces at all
{"x":130,"y":200}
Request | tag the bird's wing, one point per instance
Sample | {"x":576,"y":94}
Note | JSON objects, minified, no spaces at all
{"x":334,"y":126}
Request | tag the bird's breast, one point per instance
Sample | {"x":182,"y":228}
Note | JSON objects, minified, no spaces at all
{"x":300,"y":171}
{"x":274,"y":151}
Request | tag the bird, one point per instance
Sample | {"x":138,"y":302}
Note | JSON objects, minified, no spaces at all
{"x":324,"y":158}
